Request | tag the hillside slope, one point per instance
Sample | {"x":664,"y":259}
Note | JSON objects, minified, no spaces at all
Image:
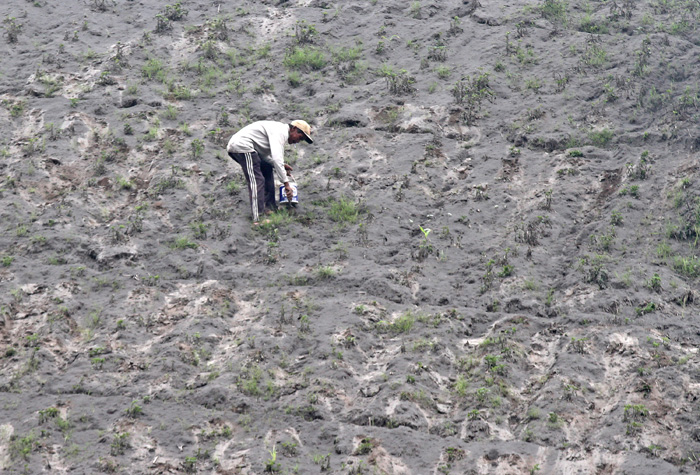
{"x":493,"y":267}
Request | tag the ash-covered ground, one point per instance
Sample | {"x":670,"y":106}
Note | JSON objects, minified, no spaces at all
{"x":492,"y":269}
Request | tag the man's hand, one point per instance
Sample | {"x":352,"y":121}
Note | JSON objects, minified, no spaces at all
{"x":288,"y":191}
{"x":288,"y":168}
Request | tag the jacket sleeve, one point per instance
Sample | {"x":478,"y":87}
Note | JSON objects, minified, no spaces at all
{"x":277,"y":155}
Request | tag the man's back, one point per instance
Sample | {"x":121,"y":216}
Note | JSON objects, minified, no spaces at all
{"x":263,"y":137}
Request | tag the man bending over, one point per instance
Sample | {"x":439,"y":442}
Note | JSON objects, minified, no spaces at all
{"x":259,"y":149}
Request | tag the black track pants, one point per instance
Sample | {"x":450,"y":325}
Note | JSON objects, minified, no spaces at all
{"x":261,"y":182}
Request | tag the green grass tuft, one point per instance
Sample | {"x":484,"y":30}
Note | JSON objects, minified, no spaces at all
{"x":344,"y":211}
{"x":306,"y":58}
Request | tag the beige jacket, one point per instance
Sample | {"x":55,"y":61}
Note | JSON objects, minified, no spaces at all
{"x":266,"y":137}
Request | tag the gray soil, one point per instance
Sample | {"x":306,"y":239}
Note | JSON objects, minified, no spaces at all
{"x":492,"y":269}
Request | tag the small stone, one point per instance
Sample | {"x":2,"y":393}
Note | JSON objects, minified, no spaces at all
{"x":370,"y":391}
{"x":492,"y":454}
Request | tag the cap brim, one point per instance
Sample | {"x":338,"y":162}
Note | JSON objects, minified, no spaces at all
{"x":306,"y":137}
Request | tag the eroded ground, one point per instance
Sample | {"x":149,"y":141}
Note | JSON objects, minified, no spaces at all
{"x":493,"y":267}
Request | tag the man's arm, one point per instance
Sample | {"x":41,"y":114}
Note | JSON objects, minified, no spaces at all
{"x":277,"y":156}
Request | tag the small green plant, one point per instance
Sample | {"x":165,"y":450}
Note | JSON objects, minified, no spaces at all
{"x":175,"y":12}
{"x":506,"y":271}
{"x":663,"y":250}
{"x":33,"y":145}
{"x":264,"y":88}
{"x":48,"y":413}
{"x":688,"y":266}
{"x":533,"y":84}
{"x":647,"y":308}
{"x":179,"y":91}
{"x":151,"y":135}
{"x":530,"y":284}
{"x":438,"y":53}
{"x":601,"y":138}
{"x":616,"y":218}
{"x":399,"y":82}
{"x":415,"y":10}
{"x":294,"y":79}
{"x":124,"y":183}
{"x":233,"y":187}
{"x":596,"y":56}
{"x":90,"y":55}
{"x":460,"y":386}
{"x":21,"y":447}
{"x":595,"y":270}
{"x":655,"y":283}
{"x":190,"y":464}
{"x":185,"y":129}
{"x":481,"y":394}
{"x":365,"y":447}
{"x":271,"y":464}
{"x":199,"y":230}
{"x":635,"y":412}
{"x":641,"y":170}
{"x":305,"y":58}
{"x":120,"y":442}
{"x":304,"y":32}
{"x":16,"y":109}
{"x":491,"y":361}
{"x":443,"y":72}
{"x":610,"y":93}
{"x":97,"y":362}
{"x":154,"y":69}
{"x":134,"y":410}
{"x":471,"y":92}
{"x":403,"y":324}
{"x":453,"y":454}
{"x":170,"y":112}
{"x":632,"y":190}
{"x":183,"y":243}
{"x":325,"y":272}
{"x":603,"y":241}
{"x":554,"y":10}
{"x":197,"y":148}
{"x":425,"y":248}
{"x":344,"y":211}
{"x":323,"y":460}
{"x":12,"y":29}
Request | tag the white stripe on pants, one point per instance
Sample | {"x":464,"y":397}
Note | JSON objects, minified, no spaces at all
{"x":253,"y":187}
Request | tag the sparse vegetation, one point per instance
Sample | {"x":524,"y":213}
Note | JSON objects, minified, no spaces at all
{"x":344,"y":211}
{"x":496,"y":237}
{"x":398,"y":82}
{"x":470,"y":93}
{"x":13,"y":28}
{"x":305,"y":58}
